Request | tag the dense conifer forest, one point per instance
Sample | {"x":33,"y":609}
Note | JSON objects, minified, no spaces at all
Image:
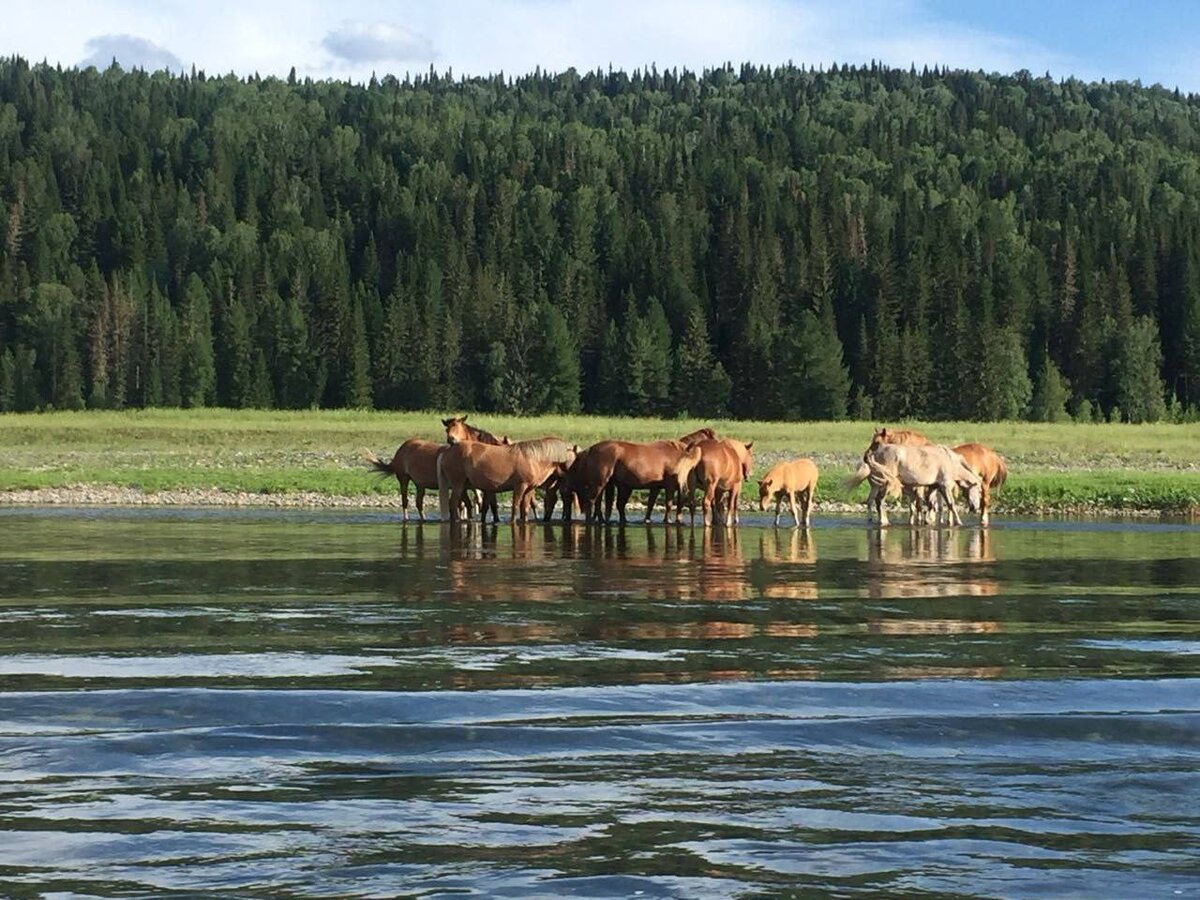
{"x":765,"y":243}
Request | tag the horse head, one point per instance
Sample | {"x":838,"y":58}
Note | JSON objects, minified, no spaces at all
{"x":457,"y":429}
{"x":764,"y":492}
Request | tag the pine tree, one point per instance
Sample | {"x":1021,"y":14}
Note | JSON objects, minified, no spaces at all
{"x":556,"y":367}
{"x":197,"y":375}
{"x":701,"y":385}
{"x":1139,"y":387}
{"x":1050,"y":394}
{"x":817,"y":382}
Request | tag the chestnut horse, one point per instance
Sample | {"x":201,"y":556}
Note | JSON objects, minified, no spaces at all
{"x":793,"y":480}
{"x":628,"y":466}
{"x":494,"y":469}
{"x":415,"y":460}
{"x":724,"y":465}
{"x":457,"y":431}
{"x":990,"y":467}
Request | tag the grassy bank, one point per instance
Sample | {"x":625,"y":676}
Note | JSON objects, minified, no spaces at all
{"x":1066,"y":467}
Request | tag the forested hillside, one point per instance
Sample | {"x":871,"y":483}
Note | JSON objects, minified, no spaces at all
{"x":764,"y":242}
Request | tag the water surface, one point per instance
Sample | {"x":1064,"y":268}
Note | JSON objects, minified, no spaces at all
{"x":331,"y":704}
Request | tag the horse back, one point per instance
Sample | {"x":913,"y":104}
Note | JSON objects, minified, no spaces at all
{"x":418,"y":461}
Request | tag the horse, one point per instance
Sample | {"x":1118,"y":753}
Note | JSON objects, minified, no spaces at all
{"x":554,"y":450}
{"x":458,"y":431}
{"x":794,"y":480}
{"x":493,"y":469}
{"x":992,"y":471}
{"x":566,"y":484}
{"x":695,"y":437}
{"x":904,"y":437}
{"x":724,"y":465}
{"x":415,"y":460}
{"x":627,"y":466}
{"x":896,"y":466}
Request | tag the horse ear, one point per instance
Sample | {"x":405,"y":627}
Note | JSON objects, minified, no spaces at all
{"x":749,"y":445}
{"x":447,"y":422}
{"x":463,"y":418}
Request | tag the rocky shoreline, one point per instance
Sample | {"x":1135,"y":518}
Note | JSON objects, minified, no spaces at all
{"x":112,"y":495}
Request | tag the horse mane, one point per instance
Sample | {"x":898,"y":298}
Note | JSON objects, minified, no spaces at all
{"x":547,"y":449}
{"x":483,"y":437}
{"x":906,"y":436}
{"x":695,"y":437}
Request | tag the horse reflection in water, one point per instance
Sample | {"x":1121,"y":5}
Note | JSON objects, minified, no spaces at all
{"x":929,"y":563}
{"x":778,"y":574}
{"x":923,"y":564}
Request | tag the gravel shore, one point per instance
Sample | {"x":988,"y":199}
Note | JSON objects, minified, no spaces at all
{"x":110,"y":495}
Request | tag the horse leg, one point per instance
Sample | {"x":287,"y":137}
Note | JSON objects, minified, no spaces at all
{"x":420,"y":504}
{"x":623,"y":493}
{"x":403,"y":498}
{"x":872,"y":501}
{"x":948,"y":499}
{"x":710,"y":493}
{"x":778,"y":506}
{"x":795,"y":512}
{"x":985,"y":497}
{"x":735,"y":494}
{"x":456,"y":499}
{"x":807,"y":499}
{"x":652,"y":500}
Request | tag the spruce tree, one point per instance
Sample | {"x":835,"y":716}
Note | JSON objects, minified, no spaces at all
{"x":1050,"y":394}
{"x":556,"y":366}
{"x":197,"y":376}
{"x":1139,"y":386}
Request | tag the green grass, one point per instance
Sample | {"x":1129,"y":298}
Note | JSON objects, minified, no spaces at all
{"x":1052,"y":467}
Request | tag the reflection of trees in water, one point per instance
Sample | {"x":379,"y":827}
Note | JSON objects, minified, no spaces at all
{"x":929,"y":562}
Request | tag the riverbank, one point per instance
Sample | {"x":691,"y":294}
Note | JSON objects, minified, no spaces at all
{"x":313,"y":458}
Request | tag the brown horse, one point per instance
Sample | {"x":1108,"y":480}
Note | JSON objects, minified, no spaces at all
{"x":792,"y":480}
{"x":724,"y":465}
{"x":495,"y":469}
{"x":628,"y":466}
{"x":415,"y":460}
{"x":695,"y":437}
{"x":458,"y":431}
{"x":990,"y":467}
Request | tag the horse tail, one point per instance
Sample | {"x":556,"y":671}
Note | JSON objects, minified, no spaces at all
{"x":861,"y":474}
{"x":377,"y":464}
{"x":443,"y":488}
{"x":1001,"y":473}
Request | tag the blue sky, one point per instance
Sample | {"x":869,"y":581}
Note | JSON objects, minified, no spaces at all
{"x":1151,"y":41}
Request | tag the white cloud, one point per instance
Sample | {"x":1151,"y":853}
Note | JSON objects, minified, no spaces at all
{"x":373,"y":42}
{"x":130,"y":51}
{"x":357,"y":37}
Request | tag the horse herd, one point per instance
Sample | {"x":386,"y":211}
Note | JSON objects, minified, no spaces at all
{"x":474,"y":466}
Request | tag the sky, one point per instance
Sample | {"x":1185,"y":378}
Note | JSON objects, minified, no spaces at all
{"x":1153,"y":40}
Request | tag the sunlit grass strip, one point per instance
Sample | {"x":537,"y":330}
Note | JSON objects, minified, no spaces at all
{"x":1066,"y":467}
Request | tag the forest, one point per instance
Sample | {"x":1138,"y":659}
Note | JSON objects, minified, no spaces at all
{"x":766,"y":243}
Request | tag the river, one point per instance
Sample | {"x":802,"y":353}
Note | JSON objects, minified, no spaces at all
{"x":332,"y":704}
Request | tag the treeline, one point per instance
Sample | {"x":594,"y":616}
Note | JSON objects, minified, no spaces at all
{"x":758,"y":242}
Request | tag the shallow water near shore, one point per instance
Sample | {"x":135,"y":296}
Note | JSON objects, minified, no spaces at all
{"x":314,"y":703}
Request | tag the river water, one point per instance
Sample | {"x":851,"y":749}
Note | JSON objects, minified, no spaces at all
{"x":331,"y":704}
